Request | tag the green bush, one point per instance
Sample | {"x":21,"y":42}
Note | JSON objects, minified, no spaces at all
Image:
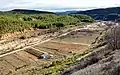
{"x":58,"y":25}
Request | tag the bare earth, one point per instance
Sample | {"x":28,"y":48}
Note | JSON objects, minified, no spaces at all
{"x":15,"y":59}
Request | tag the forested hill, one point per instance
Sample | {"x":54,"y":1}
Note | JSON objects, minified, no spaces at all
{"x":103,"y":14}
{"x":10,"y":23}
{"x":26,"y":11}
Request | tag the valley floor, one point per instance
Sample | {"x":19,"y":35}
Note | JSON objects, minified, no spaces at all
{"x":22,"y":57}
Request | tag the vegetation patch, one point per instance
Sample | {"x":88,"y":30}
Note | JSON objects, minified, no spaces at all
{"x":19,"y":22}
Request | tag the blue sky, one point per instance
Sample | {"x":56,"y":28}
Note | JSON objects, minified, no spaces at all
{"x":57,"y":5}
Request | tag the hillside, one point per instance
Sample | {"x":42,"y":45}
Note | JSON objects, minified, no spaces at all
{"x":103,"y":14}
{"x":103,"y":60}
{"x":10,"y":22}
{"x":26,"y":11}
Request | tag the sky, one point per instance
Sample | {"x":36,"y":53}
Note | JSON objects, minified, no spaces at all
{"x":57,"y":5}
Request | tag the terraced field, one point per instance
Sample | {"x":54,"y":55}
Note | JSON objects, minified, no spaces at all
{"x":26,"y":58}
{"x":30,"y":57}
{"x":23,"y":61}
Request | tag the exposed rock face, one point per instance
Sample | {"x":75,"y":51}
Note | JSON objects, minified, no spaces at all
{"x":8,"y":35}
{"x":104,"y":60}
{"x":15,"y":34}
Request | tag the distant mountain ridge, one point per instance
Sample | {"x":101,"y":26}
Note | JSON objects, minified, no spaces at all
{"x":67,"y":12}
{"x":107,"y":14}
{"x":103,"y":13}
{"x":26,"y":11}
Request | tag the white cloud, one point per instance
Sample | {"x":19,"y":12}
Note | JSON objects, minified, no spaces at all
{"x":57,"y":4}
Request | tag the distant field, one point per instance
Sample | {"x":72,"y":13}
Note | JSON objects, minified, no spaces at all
{"x":79,"y":37}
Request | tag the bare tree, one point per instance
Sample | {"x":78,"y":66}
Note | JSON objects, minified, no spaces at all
{"x":112,"y":37}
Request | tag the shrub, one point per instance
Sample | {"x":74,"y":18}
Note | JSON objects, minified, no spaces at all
{"x":58,"y":25}
{"x":112,"y":37}
{"x":23,"y":37}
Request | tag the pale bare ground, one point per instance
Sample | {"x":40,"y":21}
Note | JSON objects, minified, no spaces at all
{"x":7,"y":48}
{"x":39,"y":41}
{"x":36,"y":43}
{"x":17,"y":44}
{"x":71,"y":43}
